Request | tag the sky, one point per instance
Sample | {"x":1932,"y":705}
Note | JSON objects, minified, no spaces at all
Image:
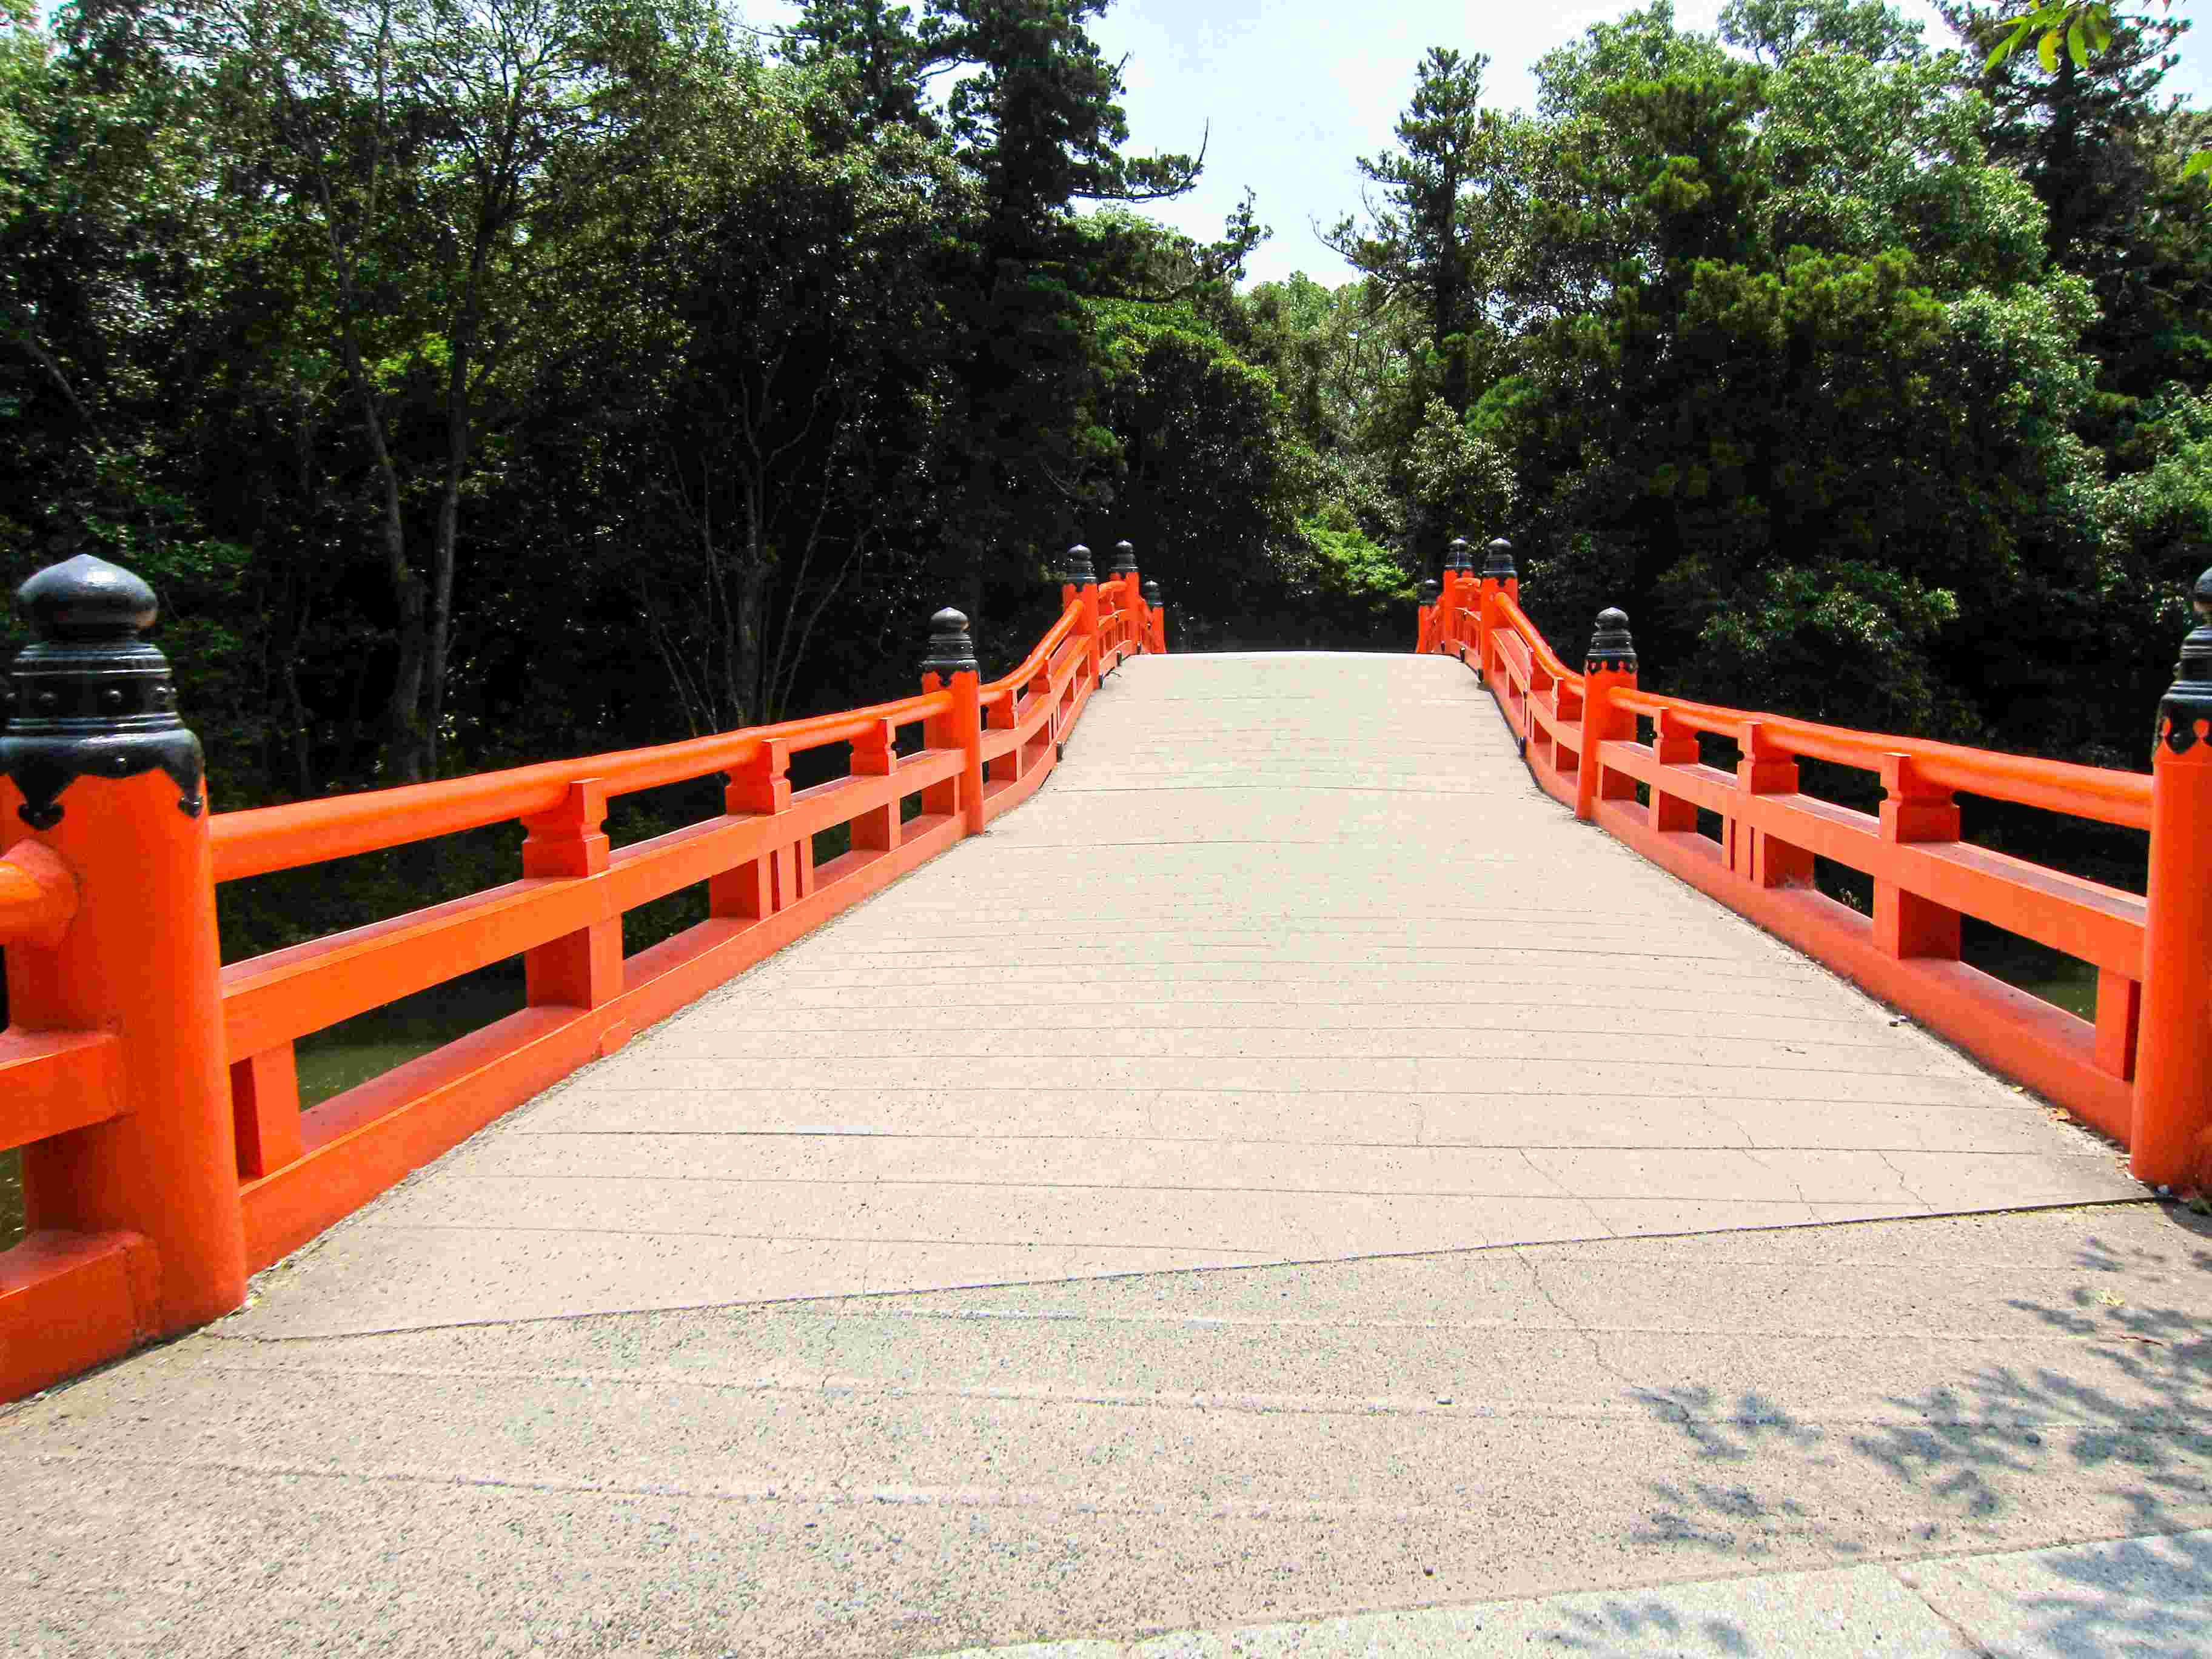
{"x":1286,"y":94}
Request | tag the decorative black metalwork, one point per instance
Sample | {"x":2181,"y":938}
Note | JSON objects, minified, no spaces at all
{"x":89,"y":698}
{"x":2189,"y":700}
{"x":1125,"y":561}
{"x":951,"y":651}
{"x":1431,"y":590}
{"x":1497,"y":562}
{"x":1459,"y":555}
{"x":1151,"y":592}
{"x":1080,"y":573}
{"x":1611,"y":648}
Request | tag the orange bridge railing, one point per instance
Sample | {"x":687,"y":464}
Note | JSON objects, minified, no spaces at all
{"x":152,"y":1091}
{"x":1629,"y":761}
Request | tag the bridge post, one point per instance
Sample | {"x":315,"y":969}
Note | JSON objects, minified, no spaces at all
{"x":1156,"y":614}
{"x":1498,"y":576}
{"x":99,"y":769}
{"x":1609,"y":665}
{"x":2172,"y":1138}
{"x":952,"y":663}
{"x":1124,"y":572}
{"x":1458,"y":589}
{"x":1426,"y":641}
{"x":1080,"y":586}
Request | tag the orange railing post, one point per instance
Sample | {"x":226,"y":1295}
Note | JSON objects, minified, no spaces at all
{"x":2173,"y":1107}
{"x":582,"y":970}
{"x":1458,"y":588}
{"x":952,"y":663}
{"x":1498,"y":576}
{"x":1156,"y":614}
{"x":1123,"y":574}
{"x":1425,"y":641}
{"x":1080,"y":586}
{"x":1609,"y":665}
{"x":104,"y":774}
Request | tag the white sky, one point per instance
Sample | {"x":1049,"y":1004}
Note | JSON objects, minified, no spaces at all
{"x":1296,"y":89}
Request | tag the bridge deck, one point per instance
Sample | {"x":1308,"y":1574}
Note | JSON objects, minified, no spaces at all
{"x":1353,"y":988}
{"x":1348,"y":984}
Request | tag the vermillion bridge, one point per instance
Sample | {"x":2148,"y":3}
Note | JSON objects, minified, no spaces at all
{"x":1232,"y":1137}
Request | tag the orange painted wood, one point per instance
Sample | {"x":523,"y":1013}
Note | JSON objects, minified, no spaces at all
{"x":264,"y":1105}
{"x":2119,"y":1014}
{"x":70,"y":1300}
{"x":2172,"y":1130}
{"x":138,"y":959}
{"x":363,"y":1141}
{"x":306,"y":988}
{"x":38,"y":895}
{"x":2102,"y":925}
{"x":1925,"y":877}
{"x":53,"y":1082}
{"x":583,"y":968}
{"x":270,"y":838}
{"x":2013,"y":1032}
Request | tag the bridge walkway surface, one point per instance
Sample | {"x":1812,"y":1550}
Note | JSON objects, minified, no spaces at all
{"x":1286,"y":1170}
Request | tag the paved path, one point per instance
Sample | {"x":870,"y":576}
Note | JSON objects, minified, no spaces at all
{"x":1291,"y":962}
{"x":1440,"y":1210}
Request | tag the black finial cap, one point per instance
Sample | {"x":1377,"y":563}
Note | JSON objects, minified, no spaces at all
{"x":2188,"y":702}
{"x":1431,"y":590}
{"x":1152,"y":595}
{"x":952,"y":650}
{"x":1457,"y":556}
{"x":1497,"y":565}
{"x":1611,"y":648}
{"x":86,"y":597}
{"x":1125,"y":560}
{"x":1079,"y":571}
{"x":89,"y":697}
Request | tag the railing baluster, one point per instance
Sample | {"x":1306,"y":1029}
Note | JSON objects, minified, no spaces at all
{"x":1913,"y":809}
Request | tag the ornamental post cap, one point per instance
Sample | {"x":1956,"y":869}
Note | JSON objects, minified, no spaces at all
{"x":1610,"y":646}
{"x":1497,"y":562}
{"x":89,"y":697}
{"x":86,"y":597}
{"x":2201,"y":597}
{"x":1430,"y":590}
{"x":1125,"y":559}
{"x":1458,"y":556}
{"x":952,"y":650}
{"x":1079,"y":572}
{"x":1151,"y":593}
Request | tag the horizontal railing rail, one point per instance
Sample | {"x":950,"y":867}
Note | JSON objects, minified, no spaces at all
{"x":1630,"y":761}
{"x":155,"y":1095}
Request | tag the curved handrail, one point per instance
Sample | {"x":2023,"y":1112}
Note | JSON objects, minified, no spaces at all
{"x":998,"y":689}
{"x":262,"y":840}
{"x":1549,"y":660}
{"x":2102,"y":793}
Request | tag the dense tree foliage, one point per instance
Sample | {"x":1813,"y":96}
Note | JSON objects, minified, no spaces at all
{"x":483,"y":380}
{"x":1867,"y":373}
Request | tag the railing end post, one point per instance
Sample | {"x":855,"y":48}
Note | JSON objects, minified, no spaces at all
{"x":2170,"y":1142}
{"x":101,"y":769}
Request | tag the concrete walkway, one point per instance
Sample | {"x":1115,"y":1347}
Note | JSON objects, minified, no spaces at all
{"x":1291,"y":962}
{"x":1437,"y":1209}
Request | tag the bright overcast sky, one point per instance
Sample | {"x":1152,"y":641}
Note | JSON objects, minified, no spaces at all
{"x":1295,"y":90}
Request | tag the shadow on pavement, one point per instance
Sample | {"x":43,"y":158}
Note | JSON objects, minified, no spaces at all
{"x":2131,"y":1420}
